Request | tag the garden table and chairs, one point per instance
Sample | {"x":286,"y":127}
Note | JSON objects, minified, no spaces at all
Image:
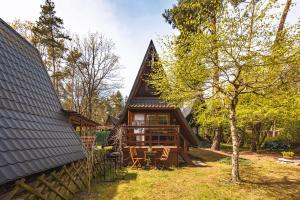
{"x":150,"y":158}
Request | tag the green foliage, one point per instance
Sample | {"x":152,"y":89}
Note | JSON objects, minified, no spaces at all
{"x":115,"y":104}
{"x":211,"y":113}
{"x":288,"y":154}
{"x":291,"y":132}
{"x":48,"y":35}
{"x":191,"y":16}
{"x":49,"y":27}
{"x":101,"y":137}
{"x":282,"y":107}
{"x":230,"y":63}
{"x":252,"y":68}
{"x":273,"y":144}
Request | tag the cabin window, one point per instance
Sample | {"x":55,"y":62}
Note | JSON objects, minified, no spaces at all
{"x":157,"y":119}
{"x":139,"y":119}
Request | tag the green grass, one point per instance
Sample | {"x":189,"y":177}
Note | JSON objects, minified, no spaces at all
{"x":242,"y":161}
{"x":263,"y":178}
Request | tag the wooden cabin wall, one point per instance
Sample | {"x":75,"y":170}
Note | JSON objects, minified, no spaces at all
{"x":173,"y":120}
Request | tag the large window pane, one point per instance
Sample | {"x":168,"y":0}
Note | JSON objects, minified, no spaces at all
{"x":157,"y":119}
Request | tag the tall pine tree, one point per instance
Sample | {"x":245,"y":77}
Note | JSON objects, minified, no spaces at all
{"x":49,"y":33}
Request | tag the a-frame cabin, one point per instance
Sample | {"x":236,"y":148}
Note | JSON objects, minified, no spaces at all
{"x":147,"y":121}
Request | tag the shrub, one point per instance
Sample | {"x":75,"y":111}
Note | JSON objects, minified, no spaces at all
{"x":288,"y":154}
{"x":276,"y":146}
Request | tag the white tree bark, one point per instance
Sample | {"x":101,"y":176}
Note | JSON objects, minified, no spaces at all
{"x":235,"y":177}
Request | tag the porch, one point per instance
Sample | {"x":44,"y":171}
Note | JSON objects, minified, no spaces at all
{"x":151,"y":135}
{"x":155,"y":137}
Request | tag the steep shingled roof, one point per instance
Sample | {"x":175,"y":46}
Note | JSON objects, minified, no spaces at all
{"x":135,"y":101}
{"x":34,"y":133}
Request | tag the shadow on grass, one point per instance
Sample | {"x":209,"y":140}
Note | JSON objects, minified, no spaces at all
{"x":105,"y":190}
{"x":281,"y":188}
{"x":205,"y":155}
{"x":278,"y":184}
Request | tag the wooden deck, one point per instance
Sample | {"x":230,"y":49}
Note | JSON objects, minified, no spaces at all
{"x":145,"y":135}
{"x":172,"y":160}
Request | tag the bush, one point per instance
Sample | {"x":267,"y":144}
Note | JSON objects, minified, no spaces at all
{"x":276,"y":146}
{"x":288,"y":154}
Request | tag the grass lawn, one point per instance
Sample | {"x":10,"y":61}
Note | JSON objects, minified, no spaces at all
{"x":263,"y":178}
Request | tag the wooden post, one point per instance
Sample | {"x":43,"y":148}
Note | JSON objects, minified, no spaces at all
{"x":150,"y":138}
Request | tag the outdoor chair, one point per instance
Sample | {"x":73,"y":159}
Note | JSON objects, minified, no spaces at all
{"x":162,"y":161}
{"x":136,"y":160}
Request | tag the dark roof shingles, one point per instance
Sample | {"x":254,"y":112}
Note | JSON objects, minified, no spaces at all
{"x":34,"y":133}
{"x":154,"y":102}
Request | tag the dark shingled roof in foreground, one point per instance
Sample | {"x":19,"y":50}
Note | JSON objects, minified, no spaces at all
{"x":34,"y":133}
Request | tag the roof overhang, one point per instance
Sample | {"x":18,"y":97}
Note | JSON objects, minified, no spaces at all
{"x":78,"y":119}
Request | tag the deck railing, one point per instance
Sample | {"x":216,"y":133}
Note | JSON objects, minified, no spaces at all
{"x":145,"y":135}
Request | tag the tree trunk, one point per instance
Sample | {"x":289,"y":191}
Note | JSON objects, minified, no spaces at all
{"x":256,"y":127}
{"x":241,"y":134}
{"x":282,"y":20}
{"x":273,"y":128}
{"x":216,"y":143}
{"x":235,"y":176}
{"x":90,"y":108}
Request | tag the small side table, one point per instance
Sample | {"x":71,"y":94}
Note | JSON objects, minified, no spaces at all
{"x":149,"y":157}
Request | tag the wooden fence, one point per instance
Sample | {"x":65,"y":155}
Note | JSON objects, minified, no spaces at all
{"x":61,"y":183}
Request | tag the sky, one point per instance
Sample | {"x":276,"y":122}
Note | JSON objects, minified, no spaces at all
{"x":131,"y":24}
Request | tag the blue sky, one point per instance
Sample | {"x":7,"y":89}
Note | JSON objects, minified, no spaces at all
{"x":131,"y":24}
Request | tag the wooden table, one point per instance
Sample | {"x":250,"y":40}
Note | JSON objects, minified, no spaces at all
{"x":149,"y":156}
